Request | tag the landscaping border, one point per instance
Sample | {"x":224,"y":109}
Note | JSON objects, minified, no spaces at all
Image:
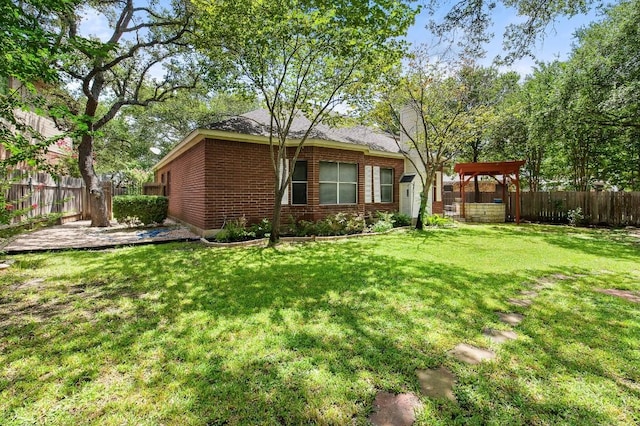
{"x":264,"y":241}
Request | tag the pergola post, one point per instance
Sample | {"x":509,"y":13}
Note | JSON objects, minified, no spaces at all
{"x":517,"y":198}
{"x":506,"y":169}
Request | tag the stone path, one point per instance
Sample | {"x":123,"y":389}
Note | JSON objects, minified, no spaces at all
{"x":471,"y":354}
{"x":79,"y":235}
{"x":395,"y":410}
{"x":438,"y":383}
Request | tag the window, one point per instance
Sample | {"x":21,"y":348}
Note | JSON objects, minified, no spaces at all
{"x":338,"y":183}
{"x":168,"y":183}
{"x":386,"y":185}
{"x":299,"y":183}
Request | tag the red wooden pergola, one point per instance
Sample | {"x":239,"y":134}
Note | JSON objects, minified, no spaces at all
{"x":506,"y":169}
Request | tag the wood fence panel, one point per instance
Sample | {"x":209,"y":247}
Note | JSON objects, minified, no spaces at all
{"x":599,"y":208}
{"x":41,"y":195}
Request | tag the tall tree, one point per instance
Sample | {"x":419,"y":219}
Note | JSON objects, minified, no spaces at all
{"x":485,"y":90}
{"x":302,"y":57}
{"x":26,"y":50}
{"x":145,"y":42}
{"x":128,"y":139}
{"x":426,"y":108}
{"x":473,"y":18}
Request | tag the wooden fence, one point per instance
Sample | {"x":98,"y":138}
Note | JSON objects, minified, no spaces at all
{"x":598,"y":208}
{"x":39,"y":194}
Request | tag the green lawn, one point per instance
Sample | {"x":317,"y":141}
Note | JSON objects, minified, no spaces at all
{"x":309,"y":333}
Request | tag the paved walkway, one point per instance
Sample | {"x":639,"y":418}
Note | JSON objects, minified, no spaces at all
{"x":79,"y":235}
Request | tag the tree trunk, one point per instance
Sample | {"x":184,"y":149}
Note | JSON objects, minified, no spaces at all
{"x":274,"y":238}
{"x":424,"y":210}
{"x":99,"y":212}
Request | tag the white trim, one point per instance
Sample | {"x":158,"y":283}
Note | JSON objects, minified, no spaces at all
{"x":376,"y":184}
{"x":368,"y":189}
{"x":198,"y":135}
{"x":284,"y":171}
{"x":438,"y":187}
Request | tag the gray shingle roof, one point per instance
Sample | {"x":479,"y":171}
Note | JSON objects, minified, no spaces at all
{"x":257,"y":122}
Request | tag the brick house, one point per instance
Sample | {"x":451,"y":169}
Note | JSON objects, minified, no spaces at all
{"x":225,"y":172}
{"x":43,"y":125}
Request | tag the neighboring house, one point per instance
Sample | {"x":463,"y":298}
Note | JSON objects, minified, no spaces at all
{"x":43,"y":125}
{"x":225,"y":172}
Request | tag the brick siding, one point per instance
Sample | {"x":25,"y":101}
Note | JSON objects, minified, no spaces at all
{"x":218,"y":180}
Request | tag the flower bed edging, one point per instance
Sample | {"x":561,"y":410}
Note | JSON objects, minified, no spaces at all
{"x":265,"y":241}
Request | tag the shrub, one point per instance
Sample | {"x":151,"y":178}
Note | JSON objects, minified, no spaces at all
{"x":437,"y":221}
{"x":381,"y":226}
{"x":261,"y":229}
{"x":401,"y":219}
{"x":383,"y":221}
{"x":147,"y":209}
{"x":576,"y":217}
{"x":383,"y":217}
{"x":234,"y":230}
{"x":306,"y":228}
{"x":355,"y":224}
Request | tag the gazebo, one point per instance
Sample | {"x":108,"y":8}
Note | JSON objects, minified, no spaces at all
{"x":506,"y":169}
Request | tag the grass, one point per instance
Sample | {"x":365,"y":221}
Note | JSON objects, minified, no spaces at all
{"x":309,"y":333}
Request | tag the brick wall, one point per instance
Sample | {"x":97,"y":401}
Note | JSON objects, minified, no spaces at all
{"x":219,"y":180}
{"x":186,"y":186}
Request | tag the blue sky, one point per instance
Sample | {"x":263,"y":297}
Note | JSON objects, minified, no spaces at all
{"x":555,"y":45}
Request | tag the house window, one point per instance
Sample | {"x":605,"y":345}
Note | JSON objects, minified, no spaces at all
{"x":386,"y":185}
{"x":299,"y":183}
{"x":168,"y":183}
{"x":338,"y":183}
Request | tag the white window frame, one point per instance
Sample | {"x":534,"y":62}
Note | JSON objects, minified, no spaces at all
{"x":386,"y":184}
{"x":338,"y":183}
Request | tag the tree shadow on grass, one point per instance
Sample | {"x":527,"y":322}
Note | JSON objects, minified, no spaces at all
{"x":302,"y":334}
{"x":609,"y":243}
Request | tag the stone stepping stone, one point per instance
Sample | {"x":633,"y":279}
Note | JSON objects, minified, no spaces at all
{"x":529,"y":293}
{"x":4,"y":266}
{"x":544,"y":282}
{"x":395,"y":410}
{"x":499,"y":336}
{"x":523,"y":303}
{"x":437,"y":383}
{"x":471,"y":354}
{"x":510,"y":318}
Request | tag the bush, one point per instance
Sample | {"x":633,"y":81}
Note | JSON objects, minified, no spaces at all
{"x":438,"y":221}
{"x":147,"y":209}
{"x":306,"y":228}
{"x":235,"y":230}
{"x":261,"y":229}
{"x":381,"y":226}
{"x":576,"y":217}
{"x":401,"y":219}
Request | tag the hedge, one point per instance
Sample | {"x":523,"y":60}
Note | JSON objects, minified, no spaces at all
{"x":147,"y":209}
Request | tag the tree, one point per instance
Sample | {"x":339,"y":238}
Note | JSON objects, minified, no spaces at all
{"x":127,"y":140}
{"x":26,"y":51}
{"x":113,"y":71}
{"x":601,"y":90}
{"x":473,"y":19}
{"x":485,"y":90}
{"x":426,"y":106}
{"x":302,"y":57}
